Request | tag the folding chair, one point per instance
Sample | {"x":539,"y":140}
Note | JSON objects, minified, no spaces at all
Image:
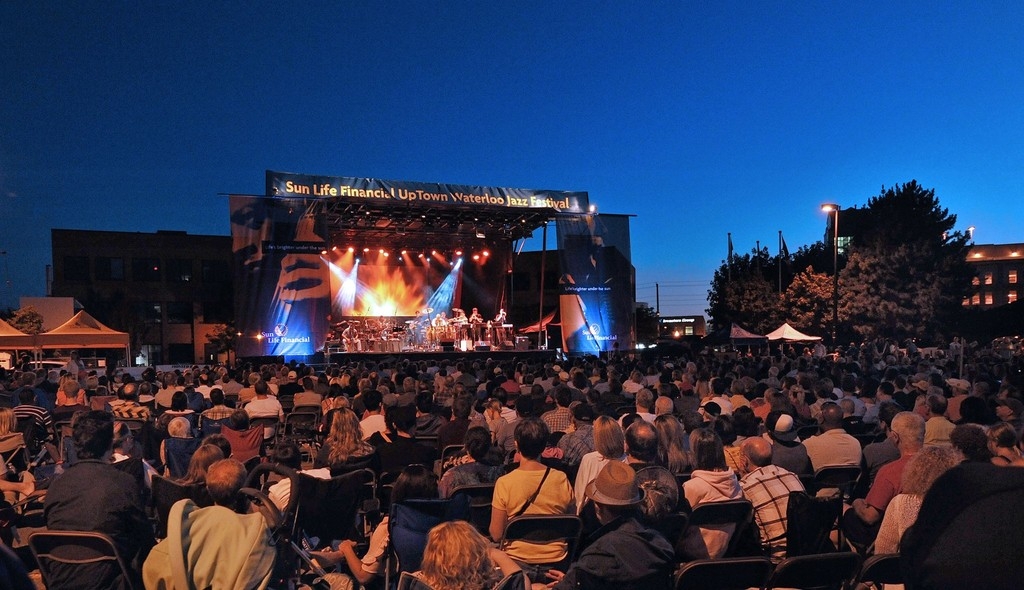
{"x":408,"y":525}
{"x":66,"y":558}
{"x":881,"y":569}
{"x":178,"y":453}
{"x":809,"y":522}
{"x":245,"y":444}
{"x":166,"y":492}
{"x":739,"y":512}
{"x":480,"y":496}
{"x":99,"y":402}
{"x":543,"y":529}
{"x":327,"y":508}
{"x":300,"y":427}
{"x":842,"y":477}
{"x":730,"y":573}
{"x":407,"y":581}
{"x":828,"y":571}
{"x":270,"y":426}
{"x":209,"y":426}
{"x":12,"y":451}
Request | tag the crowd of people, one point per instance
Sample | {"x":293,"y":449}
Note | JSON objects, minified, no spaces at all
{"x":623,"y":442}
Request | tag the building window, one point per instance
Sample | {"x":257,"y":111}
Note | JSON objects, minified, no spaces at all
{"x":988,"y":299}
{"x":76,"y":268}
{"x":1011,"y":277}
{"x":151,"y":312}
{"x":1011,"y":296}
{"x":217,"y":312}
{"x":149,"y":355}
{"x":146,"y":269}
{"x":966,"y":302}
{"x":179,"y":312}
{"x":216,"y":271}
{"x":976,"y":300}
{"x":179,"y":270}
{"x":988,"y":278}
{"x":109,"y":269}
{"x":976,"y":281}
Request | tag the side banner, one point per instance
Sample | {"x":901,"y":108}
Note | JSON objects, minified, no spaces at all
{"x":595,"y":289}
{"x":282,"y":292}
{"x":411,"y":194}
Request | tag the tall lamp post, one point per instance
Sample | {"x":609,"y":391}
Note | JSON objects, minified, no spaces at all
{"x":833,"y":208}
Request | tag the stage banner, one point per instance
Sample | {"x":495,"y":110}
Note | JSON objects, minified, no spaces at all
{"x":282,"y":292}
{"x":596,"y":287}
{"x":412,"y":194}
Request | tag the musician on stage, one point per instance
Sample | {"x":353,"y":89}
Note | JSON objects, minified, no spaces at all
{"x":440,"y":320}
{"x":349,"y":337}
{"x":475,"y":321}
{"x":500,"y":318}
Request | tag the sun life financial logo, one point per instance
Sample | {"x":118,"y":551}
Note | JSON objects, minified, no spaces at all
{"x":281,"y":330}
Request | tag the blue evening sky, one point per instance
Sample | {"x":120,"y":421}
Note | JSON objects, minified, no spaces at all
{"x":701,"y":118}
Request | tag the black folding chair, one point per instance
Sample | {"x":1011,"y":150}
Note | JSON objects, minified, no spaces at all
{"x":480,"y":496}
{"x":542,"y":529}
{"x":67,"y":557}
{"x":881,"y":569}
{"x":828,"y":571}
{"x":739,"y":512}
{"x":730,"y":573}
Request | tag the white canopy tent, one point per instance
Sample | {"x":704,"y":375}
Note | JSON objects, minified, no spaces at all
{"x":788,"y":333}
{"x":83,"y":331}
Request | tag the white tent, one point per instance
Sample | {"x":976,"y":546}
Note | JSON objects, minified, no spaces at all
{"x":11,"y":337}
{"x":82,"y":331}
{"x":788,"y":333}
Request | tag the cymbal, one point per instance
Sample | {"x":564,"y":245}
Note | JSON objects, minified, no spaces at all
{"x":354,"y":321}
{"x":410,"y":321}
{"x":429,"y":310}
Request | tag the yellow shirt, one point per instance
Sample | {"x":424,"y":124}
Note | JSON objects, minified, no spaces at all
{"x":511,"y":492}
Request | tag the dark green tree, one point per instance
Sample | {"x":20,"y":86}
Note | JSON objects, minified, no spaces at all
{"x":746,"y":293}
{"x":907,"y":273}
{"x":646,"y":324}
{"x":27,"y":319}
{"x":807,"y":302}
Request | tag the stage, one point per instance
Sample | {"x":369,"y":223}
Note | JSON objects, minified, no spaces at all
{"x":530,"y":356}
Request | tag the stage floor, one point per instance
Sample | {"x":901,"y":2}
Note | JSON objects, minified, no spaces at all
{"x":532,"y":356}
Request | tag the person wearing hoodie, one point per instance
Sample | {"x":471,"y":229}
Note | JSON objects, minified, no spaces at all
{"x":711,"y":481}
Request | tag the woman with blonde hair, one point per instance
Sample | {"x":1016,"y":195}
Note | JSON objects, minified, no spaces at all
{"x":11,"y":439}
{"x":671,"y":454}
{"x":609,"y":445}
{"x":918,"y":476}
{"x":204,"y":456}
{"x":457,"y":557}
{"x":344,"y":448}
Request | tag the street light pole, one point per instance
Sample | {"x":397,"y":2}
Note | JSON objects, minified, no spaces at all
{"x":834,"y":209}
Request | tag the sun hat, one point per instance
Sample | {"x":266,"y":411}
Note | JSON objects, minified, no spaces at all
{"x":615,"y":485}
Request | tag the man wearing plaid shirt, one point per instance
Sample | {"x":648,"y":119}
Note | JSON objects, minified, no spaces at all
{"x":559,"y":419}
{"x":767,"y":487}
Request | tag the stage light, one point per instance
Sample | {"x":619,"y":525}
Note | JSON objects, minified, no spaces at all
{"x":487,"y":252}
{"x":366,"y":250}
{"x":334,"y":248}
{"x":351,"y":249}
{"x":433,"y":252}
{"x":422,"y":255}
{"x":476,"y":257}
{"x":404,"y":252}
{"x":381,"y":251}
{"x":593,"y":208}
{"x":458,"y":252}
{"x":323,"y":252}
{"x":386,"y":254}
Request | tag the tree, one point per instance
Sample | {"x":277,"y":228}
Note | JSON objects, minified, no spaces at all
{"x":646,"y":324}
{"x":27,"y":320}
{"x":224,"y":337}
{"x":807,"y":301}
{"x":907,"y":273}
{"x":747,"y":293}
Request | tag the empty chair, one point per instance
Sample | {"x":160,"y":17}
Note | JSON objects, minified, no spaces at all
{"x":827,"y":571}
{"x":327,"y":508}
{"x":842,"y":477}
{"x":408,"y":525}
{"x":716,"y":514}
{"x":66,"y":558}
{"x":730,"y":573}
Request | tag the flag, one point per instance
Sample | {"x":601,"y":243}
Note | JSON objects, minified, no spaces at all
{"x":785,"y":249}
{"x":730,"y":248}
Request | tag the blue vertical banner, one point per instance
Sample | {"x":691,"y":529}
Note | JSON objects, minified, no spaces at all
{"x":282,"y":291}
{"x":596,"y":288}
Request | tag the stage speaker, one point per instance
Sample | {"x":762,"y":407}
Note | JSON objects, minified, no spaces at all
{"x":522,"y":343}
{"x":450,"y":347}
{"x":482,"y":348}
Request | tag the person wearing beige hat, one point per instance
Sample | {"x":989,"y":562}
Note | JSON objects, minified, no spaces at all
{"x":626,"y":553}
